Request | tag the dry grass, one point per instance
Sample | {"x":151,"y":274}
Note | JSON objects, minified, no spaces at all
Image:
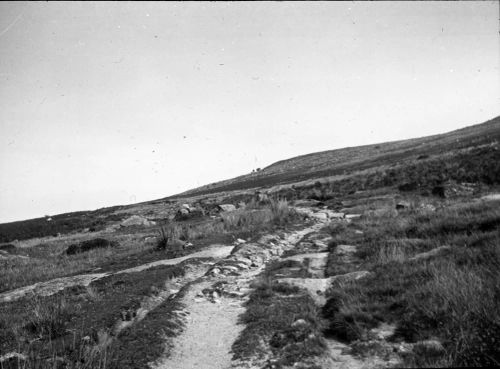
{"x":269,"y":319}
{"x":455,"y":297}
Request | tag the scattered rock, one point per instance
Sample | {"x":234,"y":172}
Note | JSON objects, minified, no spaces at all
{"x":188,"y":212}
{"x":452,"y":189}
{"x":383,"y":331}
{"x":345,"y":249}
{"x":183,"y":211}
{"x":137,"y":220}
{"x":315,"y":286}
{"x":352,"y":216}
{"x":427,"y":207}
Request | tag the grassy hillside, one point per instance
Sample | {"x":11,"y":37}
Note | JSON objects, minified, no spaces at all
{"x":350,"y":160}
{"x":470,"y":154}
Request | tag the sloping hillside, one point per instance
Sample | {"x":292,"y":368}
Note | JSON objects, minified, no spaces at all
{"x":352,"y":159}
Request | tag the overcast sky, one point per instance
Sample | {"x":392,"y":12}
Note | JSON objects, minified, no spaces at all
{"x":113,"y":103}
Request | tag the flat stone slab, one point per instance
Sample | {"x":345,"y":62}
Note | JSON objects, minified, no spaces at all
{"x":349,"y":277}
{"x":315,"y":286}
{"x":345,"y":249}
{"x":315,"y":262}
{"x":429,"y":254}
{"x":491,"y":197}
{"x":312,"y":255}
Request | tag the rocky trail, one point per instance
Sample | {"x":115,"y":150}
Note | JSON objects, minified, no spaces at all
{"x":214,"y":302}
{"x":53,"y":286}
{"x":214,"y":293}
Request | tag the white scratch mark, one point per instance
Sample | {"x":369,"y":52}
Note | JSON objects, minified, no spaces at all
{"x":12,"y":24}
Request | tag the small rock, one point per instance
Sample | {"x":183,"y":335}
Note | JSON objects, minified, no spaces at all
{"x":299,"y":322}
{"x":337,"y":215}
{"x":357,"y":231}
{"x":352,"y":216}
{"x":321,"y":216}
{"x":239,"y":240}
{"x":427,"y":207}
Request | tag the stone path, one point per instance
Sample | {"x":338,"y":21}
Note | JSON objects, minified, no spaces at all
{"x":55,"y":285}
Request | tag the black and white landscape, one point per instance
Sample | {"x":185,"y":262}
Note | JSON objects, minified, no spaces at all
{"x":249,"y":185}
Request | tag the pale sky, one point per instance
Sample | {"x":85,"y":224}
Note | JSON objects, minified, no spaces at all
{"x":113,"y":103}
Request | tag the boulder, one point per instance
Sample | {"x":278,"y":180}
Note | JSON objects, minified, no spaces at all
{"x":299,"y":323}
{"x":321,"y":216}
{"x":137,"y":220}
{"x":184,"y":214}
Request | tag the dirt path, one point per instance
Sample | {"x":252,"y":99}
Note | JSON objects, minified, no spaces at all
{"x":211,"y":329}
{"x":55,"y":285}
{"x":215,"y":302}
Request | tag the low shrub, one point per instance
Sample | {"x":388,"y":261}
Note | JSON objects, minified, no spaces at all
{"x":84,"y":246}
{"x":48,"y":317}
{"x":7,"y":247}
{"x":169,"y":234}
